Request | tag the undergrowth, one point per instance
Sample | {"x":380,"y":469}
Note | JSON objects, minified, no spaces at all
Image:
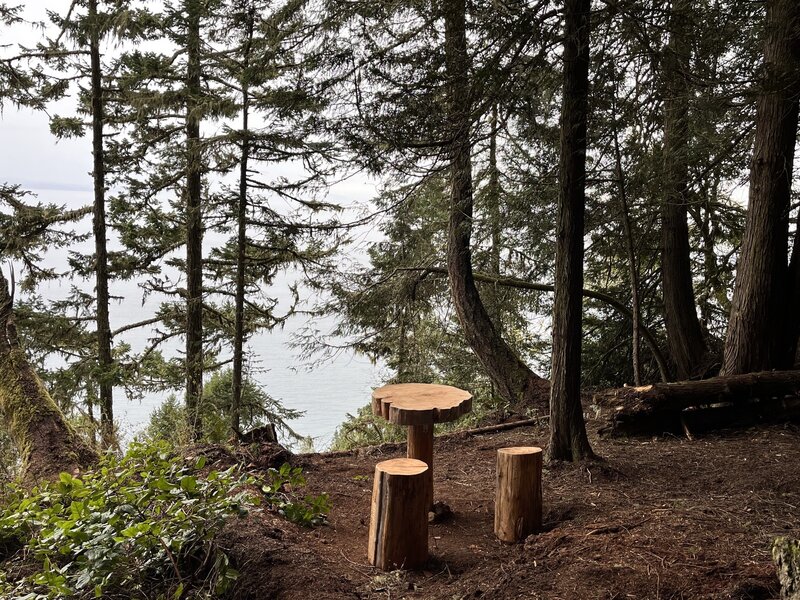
{"x":140,"y":526}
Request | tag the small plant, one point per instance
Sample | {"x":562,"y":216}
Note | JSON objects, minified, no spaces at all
{"x":140,"y":526}
{"x":281,"y":493}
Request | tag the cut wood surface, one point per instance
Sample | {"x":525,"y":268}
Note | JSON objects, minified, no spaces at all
{"x":420,"y":403}
{"x":518,"y":500}
{"x":398,"y":527}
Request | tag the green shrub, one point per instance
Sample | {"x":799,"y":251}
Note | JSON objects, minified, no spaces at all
{"x":281,"y":489}
{"x":140,"y":526}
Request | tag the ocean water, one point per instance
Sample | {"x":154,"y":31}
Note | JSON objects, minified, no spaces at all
{"x":59,"y":172}
{"x":326,"y":391}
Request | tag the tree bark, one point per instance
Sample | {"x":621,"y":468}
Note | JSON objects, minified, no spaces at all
{"x":518,"y":493}
{"x":493,"y":300}
{"x":793,"y":317}
{"x":633,"y":268}
{"x":568,"y":439}
{"x":684,"y":335}
{"x":46,"y":443}
{"x":194,"y":223}
{"x":514,"y":381}
{"x":241,"y":239}
{"x":761,"y":316}
{"x":398,"y":525}
{"x":104,"y":356}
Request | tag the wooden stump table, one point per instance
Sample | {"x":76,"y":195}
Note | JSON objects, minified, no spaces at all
{"x":419,"y":406}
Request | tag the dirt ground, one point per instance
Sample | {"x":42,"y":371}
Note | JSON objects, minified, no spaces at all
{"x":661,"y":518}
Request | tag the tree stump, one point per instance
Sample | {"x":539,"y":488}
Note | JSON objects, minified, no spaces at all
{"x":518,"y":504}
{"x":398,"y":527}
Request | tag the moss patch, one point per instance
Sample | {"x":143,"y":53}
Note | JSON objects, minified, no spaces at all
{"x":46,"y":442}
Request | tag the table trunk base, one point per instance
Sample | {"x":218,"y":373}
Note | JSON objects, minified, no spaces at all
{"x":420,"y":446}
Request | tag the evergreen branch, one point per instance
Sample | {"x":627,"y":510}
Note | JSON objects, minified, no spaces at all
{"x":514,"y":282}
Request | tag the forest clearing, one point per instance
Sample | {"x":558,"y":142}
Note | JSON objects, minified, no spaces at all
{"x":565,"y":234}
{"x":659,"y":517}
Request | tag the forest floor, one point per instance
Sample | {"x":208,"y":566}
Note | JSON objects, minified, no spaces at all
{"x":658,"y":518}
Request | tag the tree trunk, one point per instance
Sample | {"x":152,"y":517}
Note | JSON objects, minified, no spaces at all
{"x":493,"y":299}
{"x":568,"y":439}
{"x":194,"y":224}
{"x":514,"y":381}
{"x":46,"y":443}
{"x":241,"y":240}
{"x":684,"y":335}
{"x":633,"y":269}
{"x":104,"y":356}
{"x":793,"y":316}
{"x":757,"y":329}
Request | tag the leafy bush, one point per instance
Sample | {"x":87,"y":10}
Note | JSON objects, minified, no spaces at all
{"x":283,"y":482}
{"x":140,"y":526}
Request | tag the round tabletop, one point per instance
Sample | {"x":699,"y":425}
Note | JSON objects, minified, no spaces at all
{"x":420,"y":403}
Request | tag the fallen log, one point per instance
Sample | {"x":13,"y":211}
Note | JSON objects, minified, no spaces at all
{"x":733,"y":399}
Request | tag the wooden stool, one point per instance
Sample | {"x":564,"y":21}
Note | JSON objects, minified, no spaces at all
{"x":518,"y":504}
{"x":398,"y":525}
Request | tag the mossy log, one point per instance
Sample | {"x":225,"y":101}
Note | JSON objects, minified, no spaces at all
{"x":47,"y":444}
{"x":786,"y":554}
{"x":664,"y":406}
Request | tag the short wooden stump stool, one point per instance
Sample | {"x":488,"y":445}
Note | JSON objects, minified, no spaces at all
{"x":419,"y":406}
{"x":398,"y":525}
{"x":518,"y":503}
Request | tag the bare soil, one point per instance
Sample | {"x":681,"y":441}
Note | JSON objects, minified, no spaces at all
{"x":661,"y":518}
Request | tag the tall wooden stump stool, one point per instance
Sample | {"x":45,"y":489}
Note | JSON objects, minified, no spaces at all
{"x":398,"y":525}
{"x":518,"y":504}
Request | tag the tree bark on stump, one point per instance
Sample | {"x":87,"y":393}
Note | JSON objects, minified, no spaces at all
{"x":398,"y":527}
{"x":518,"y":501}
{"x":47,"y":444}
{"x":786,"y":555}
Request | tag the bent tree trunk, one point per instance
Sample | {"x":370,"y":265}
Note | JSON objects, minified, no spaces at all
{"x":684,"y":335}
{"x":761,"y":316}
{"x":46,"y":443}
{"x":568,"y":439}
{"x":514,"y":381}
